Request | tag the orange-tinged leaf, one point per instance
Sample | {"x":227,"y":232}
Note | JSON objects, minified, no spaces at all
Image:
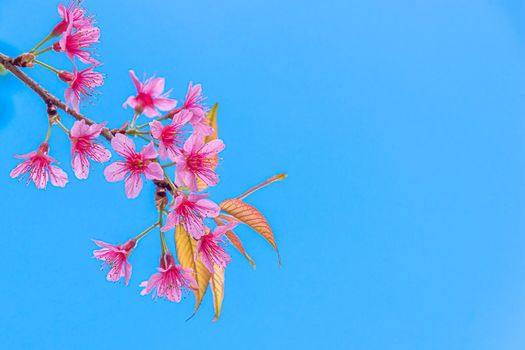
{"x":274,"y":178}
{"x":185,"y":253}
{"x":217,"y":289}
{"x":212,"y":121}
{"x":249,"y":215}
{"x":236,"y":242}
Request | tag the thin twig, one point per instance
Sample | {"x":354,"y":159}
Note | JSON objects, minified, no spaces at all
{"x":46,"y":96}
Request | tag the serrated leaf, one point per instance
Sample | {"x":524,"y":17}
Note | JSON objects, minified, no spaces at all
{"x":212,"y":121}
{"x":186,"y":247}
{"x":217,"y":289}
{"x":252,"y":217}
{"x":236,"y":242}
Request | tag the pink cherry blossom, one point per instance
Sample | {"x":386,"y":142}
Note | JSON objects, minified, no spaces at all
{"x":84,"y":147}
{"x":170,"y":280}
{"x":193,"y":103}
{"x":150,"y":96}
{"x":170,"y":136}
{"x":210,"y":250}
{"x":81,"y":84}
{"x":72,"y":15}
{"x":198,"y":159}
{"x":39,"y":169}
{"x":135,"y":164}
{"x":78,"y":44}
{"x":116,"y":258}
{"x":190,"y":211}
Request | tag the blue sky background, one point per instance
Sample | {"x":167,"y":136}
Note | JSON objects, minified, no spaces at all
{"x":401,"y":225}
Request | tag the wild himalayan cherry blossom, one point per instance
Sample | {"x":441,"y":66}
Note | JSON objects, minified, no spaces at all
{"x":84,"y":147}
{"x":198,"y":159}
{"x":170,"y":279}
{"x":78,"y":44}
{"x":210,"y":250}
{"x":135,"y":164}
{"x":170,"y":136}
{"x":72,"y":15}
{"x":81,"y":84}
{"x":190,"y":211}
{"x":193,"y":103}
{"x":116,"y":258}
{"x":39,"y":169}
{"x":150,"y":96}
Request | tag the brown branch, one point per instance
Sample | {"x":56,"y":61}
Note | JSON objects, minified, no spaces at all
{"x":46,"y":96}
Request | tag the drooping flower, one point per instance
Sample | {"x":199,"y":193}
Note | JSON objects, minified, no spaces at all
{"x":78,"y":44}
{"x":116,"y":258}
{"x":81,"y":84}
{"x":150,"y":96}
{"x":170,"y":280}
{"x":135,"y":164}
{"x":72,"y":15}
{"x":84,"y":147}
{"x":193,"y":103}
{"x":210,"y":250}
{"x":190,"y":211}
{"x":39,"y":169}
{"x":170,"y":136}
{"x":198,"y":159}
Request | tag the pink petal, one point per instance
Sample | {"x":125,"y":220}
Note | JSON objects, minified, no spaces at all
{"x":155,"y":86}
{"x":154,"y":171}
{"x":99,"y":153}
{"x":193,"y":143}
{"x":116,"y":171}
{"x":208,"y":208}
{"x":133,"y":185}
{"x":149,"y":151}
{"x":123,"y":145}
{"x":57,"y":176}
{"x":20,"y":169}
{"x":130,"y":101}
{"x":212,"y":147}
{"x":164,"y":104}
{"x":80,"y":165}
{"x":136,"y":82}
{"x":156,"y":129}
{"x":151,"y":112}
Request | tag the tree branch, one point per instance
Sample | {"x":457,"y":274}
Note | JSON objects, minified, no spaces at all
{"x":46,"y":96}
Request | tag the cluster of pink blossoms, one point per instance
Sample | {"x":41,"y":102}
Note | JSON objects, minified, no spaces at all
{"x":179,"y":154}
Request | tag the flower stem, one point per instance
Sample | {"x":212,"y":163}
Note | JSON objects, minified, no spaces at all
{"x":48,"y":134}
{"x":146,"y":139}
{"x":45,"y":65}
{"x":43,"y":50}
{"x":133,"y":120}
{"x":142,"y":126}
{"x":42,"y":42}
{"x":169,"y":164}
{"x":167,"y":178}
{"x":146,"y":231}
{"x":163,"y":245}
{"x":62,"y":126}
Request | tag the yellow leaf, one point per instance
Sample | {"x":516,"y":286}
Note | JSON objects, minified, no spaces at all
{"x":212,"y":121}
{"x":249,"y":215}
{"x":185,"y":253}
{"x":217,"y":289}
{"x":236,"y":242}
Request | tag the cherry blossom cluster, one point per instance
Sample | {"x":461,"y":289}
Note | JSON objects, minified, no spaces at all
{"x":176,"y":148}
